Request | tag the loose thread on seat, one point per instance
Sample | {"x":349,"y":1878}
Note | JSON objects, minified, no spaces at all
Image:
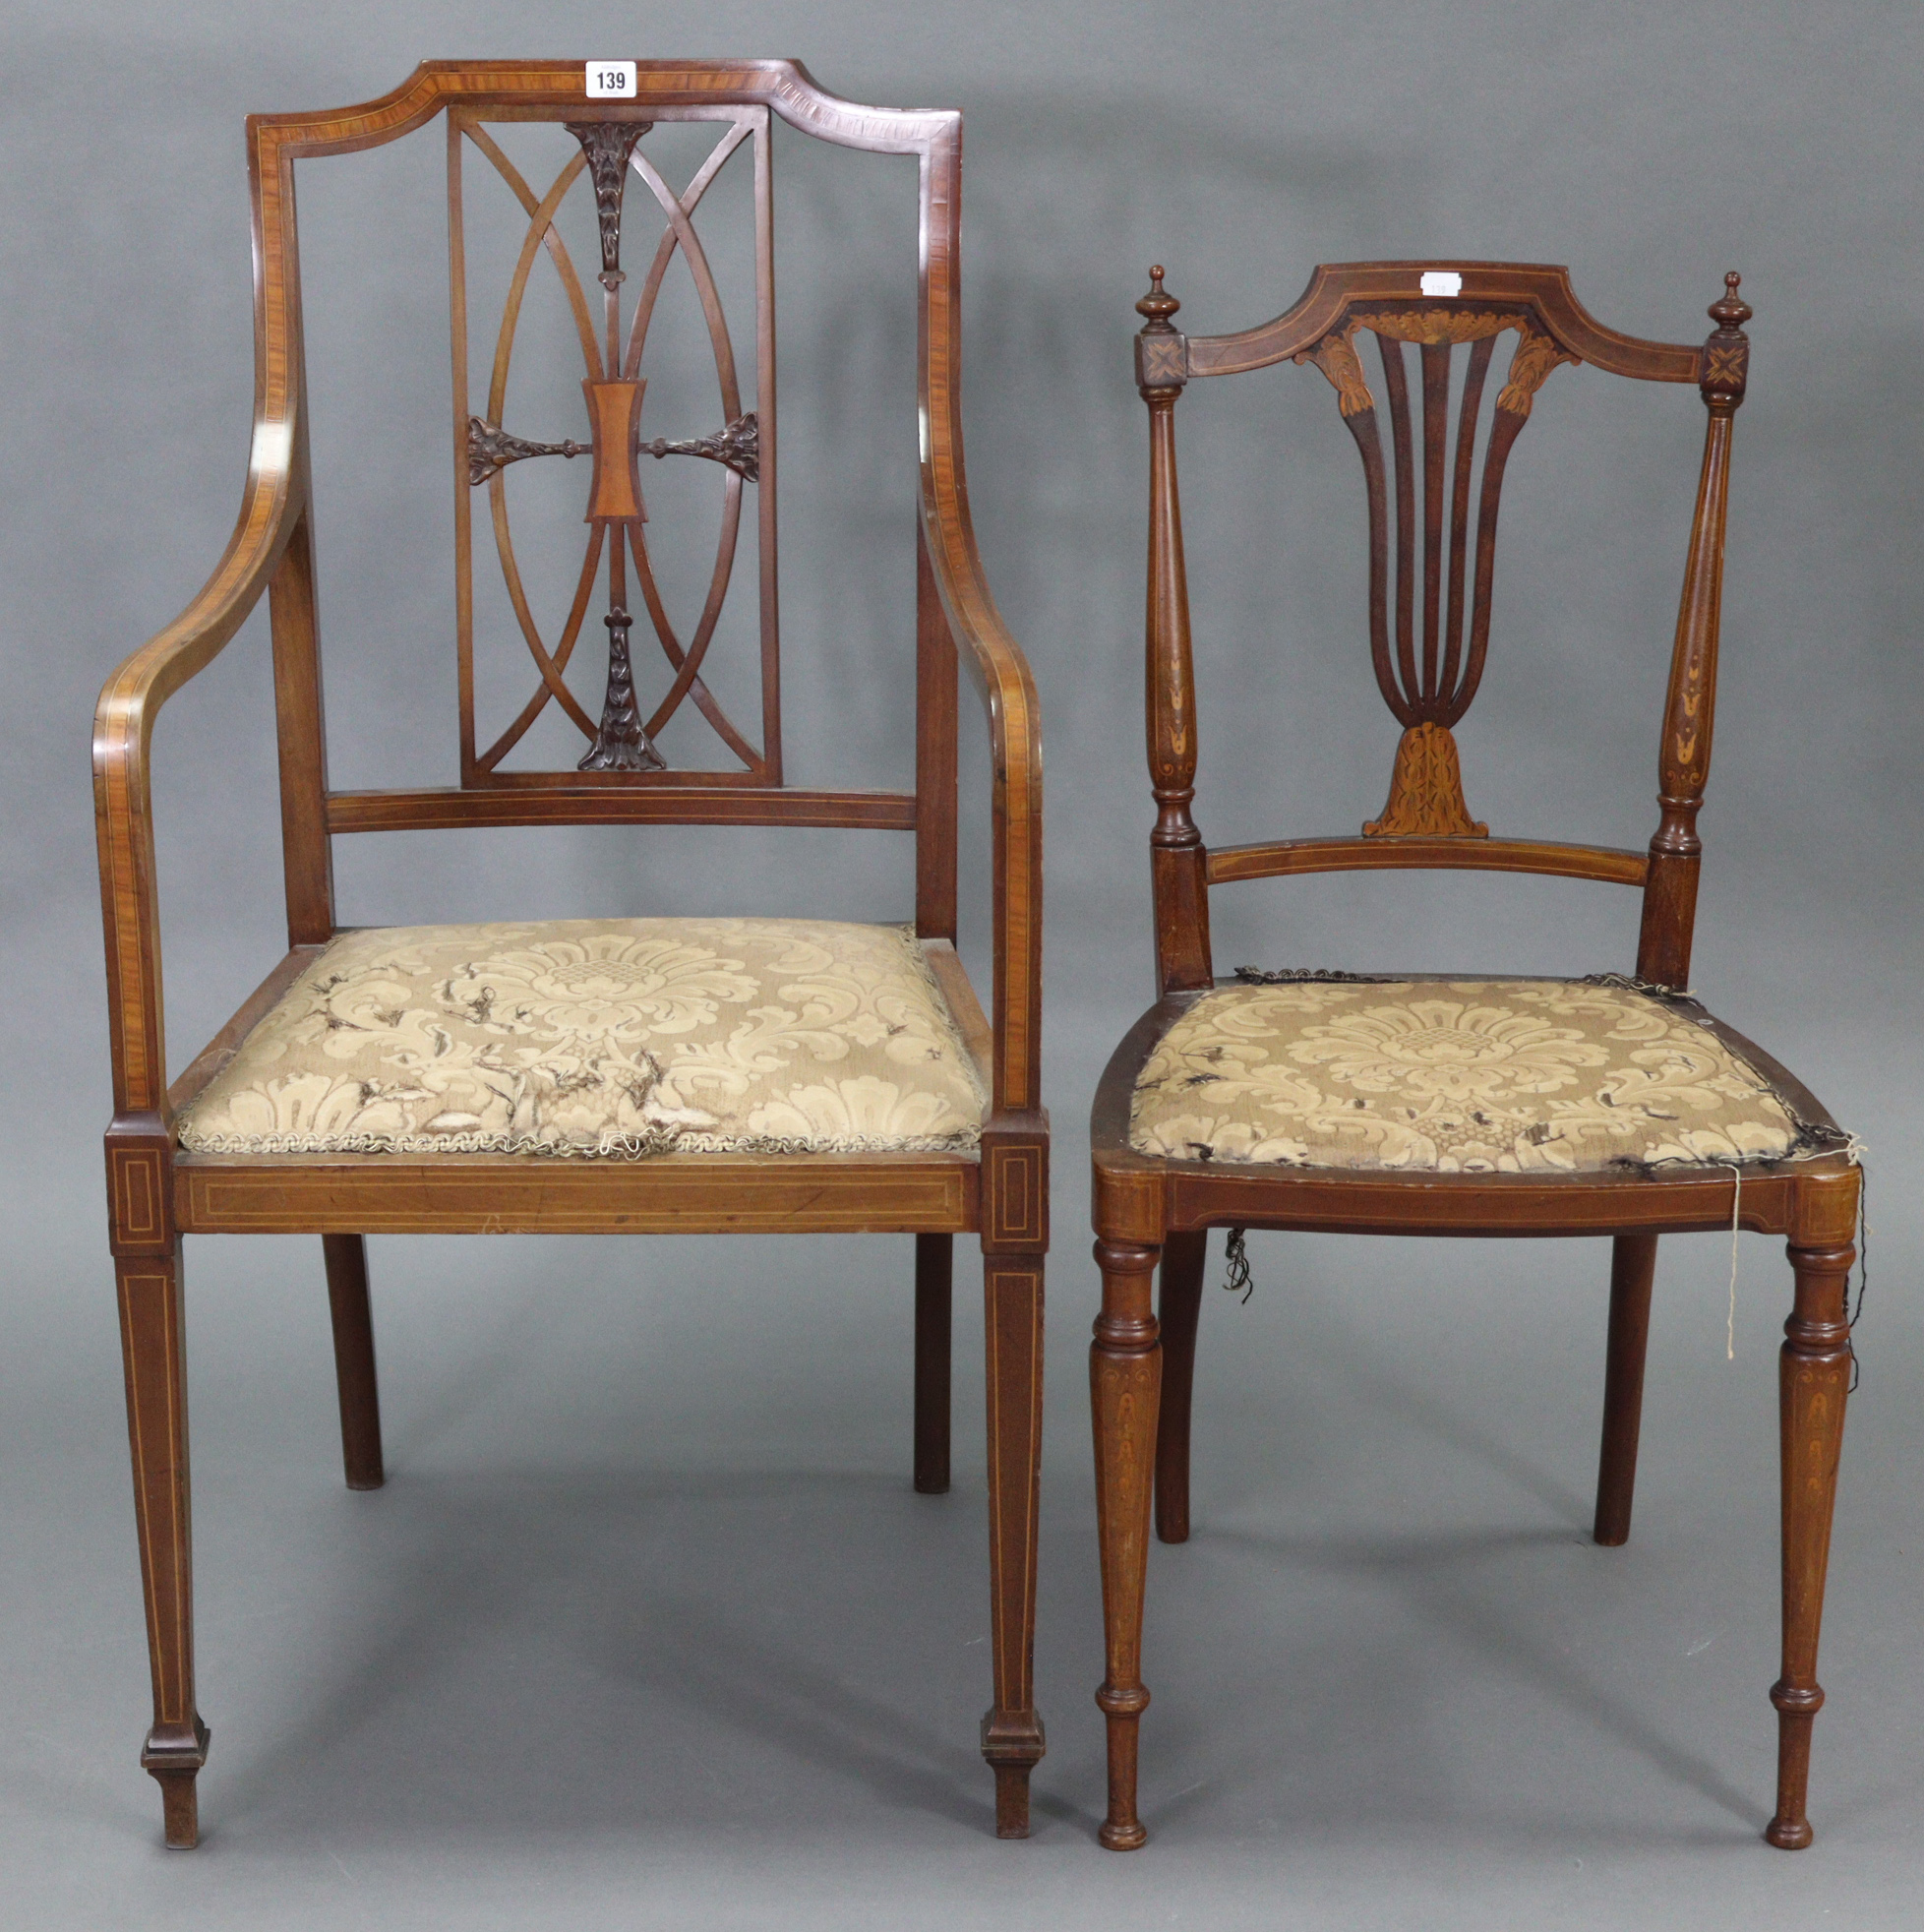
{"x":1854,"y":1151}
{"x":1629,"y":982}
{"x":1736,"y":1203}
{"x":1238,"y":1258}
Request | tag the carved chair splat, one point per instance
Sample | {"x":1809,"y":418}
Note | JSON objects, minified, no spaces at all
{"x":1247,"y":1155}
{"x":988,"y":1179}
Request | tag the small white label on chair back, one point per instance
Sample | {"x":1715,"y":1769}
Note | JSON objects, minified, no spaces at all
{"x":614,"y":80}
{"x":1436,"y":281}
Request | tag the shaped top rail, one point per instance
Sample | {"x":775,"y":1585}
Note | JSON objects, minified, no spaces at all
{"x":1335,"y":287}
{"x":785,"y":86}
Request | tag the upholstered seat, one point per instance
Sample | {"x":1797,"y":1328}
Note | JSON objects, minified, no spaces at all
{"x":1456,"y":1077}
{"x":602,"y":1037}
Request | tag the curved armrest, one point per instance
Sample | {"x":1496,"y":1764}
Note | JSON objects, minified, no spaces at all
{"x":1002,"y":674}
{"x":123,"y":731}
{"x":995,"y":660}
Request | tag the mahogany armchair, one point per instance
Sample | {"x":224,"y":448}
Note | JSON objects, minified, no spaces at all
{"x":1424,"y":1103}
{"x":596,"y":1075}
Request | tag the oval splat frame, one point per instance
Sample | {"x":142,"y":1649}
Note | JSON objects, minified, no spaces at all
{"x":610,"y":152}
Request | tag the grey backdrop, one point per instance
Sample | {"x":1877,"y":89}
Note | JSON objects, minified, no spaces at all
{"x":646,"y":1628}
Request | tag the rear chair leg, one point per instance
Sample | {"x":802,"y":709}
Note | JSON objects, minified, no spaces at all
{"x":1633,"y":1267}
{"x":1180,"y":1303}
{"x":934,"y":1273}
{"x":360,"y":1398}
{"x":1012,"y":1731}
{"x":152,"y":1352}
{"x":1813,"y":1378}
{"x":1125,"y":1365}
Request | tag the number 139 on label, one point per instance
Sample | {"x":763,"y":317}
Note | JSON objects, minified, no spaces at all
{"x":611,"y":80}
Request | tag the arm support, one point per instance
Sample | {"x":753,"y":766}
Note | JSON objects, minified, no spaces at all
{"x":273,"y":507}
{"x":992,"y":655}
{"x":123,"y":733}
{"x":1009,"y":692}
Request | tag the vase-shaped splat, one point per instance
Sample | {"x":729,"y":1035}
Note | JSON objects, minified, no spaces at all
{"x":1426,"y":790}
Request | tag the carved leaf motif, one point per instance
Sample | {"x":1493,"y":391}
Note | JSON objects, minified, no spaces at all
{"x":738,"y":446}
{"x":1433,"y":325}
{"x":608,"y":145}
{"x":1336,"y":356}
{"x":622,"y":744}
{"x":1426,"y":790}
{"x":490,"y":448}
{"x":1537,"y":355}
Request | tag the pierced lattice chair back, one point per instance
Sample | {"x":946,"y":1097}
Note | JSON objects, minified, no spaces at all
{"x":611,"y":158}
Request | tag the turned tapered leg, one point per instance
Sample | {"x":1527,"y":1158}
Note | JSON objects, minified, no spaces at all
{"x":1178,"y":1305}
{"x":360,"y":1395}
{"x":1012,"y":1731}
{"x":1126,"y":1365}
{"x":1813,"y":1378}
{"x":935,"y":1267}
{"x":1633,"y":1267}
{"x":157,"y":1426}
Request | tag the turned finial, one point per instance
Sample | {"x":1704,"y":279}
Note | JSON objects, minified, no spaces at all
{"x":1157,"y":305}
{"x":1162,"y":353}
{"x":1733,"y":311}
{"x":1726,"y":355}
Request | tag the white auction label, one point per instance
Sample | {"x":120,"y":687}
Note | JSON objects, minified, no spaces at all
{"x":1436,"y":281}
{"x":611,"y":80}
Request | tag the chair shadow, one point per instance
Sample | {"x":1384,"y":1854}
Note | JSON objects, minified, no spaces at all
{"x":479,"y":1567}
{"x":1414,"y":1404}
{"x":1428,"y":1560}
{"x":1432,"y":1573}
{"x":731,"y":1676}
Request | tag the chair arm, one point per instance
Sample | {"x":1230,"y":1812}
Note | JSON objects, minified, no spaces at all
{"x":123,"y":732}
{"x":1008,"y":690}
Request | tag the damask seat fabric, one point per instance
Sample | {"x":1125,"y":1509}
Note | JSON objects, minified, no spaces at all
{"x":602,"y":1037}
{"x":1453,"y":1077}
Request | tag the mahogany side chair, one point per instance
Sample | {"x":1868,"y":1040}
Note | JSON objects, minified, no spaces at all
{"x":597,"y":1075}
{"x":1430,"y":1103}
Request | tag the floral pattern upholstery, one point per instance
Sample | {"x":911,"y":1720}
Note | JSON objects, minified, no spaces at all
{"x":602,"y":1037}
{"x":1452,"y":1076}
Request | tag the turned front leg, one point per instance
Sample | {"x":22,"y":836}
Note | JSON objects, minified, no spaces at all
{"x":1125,"y":1367}
{"x":156,"y":1425}
{"x":1813,"y":1376}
